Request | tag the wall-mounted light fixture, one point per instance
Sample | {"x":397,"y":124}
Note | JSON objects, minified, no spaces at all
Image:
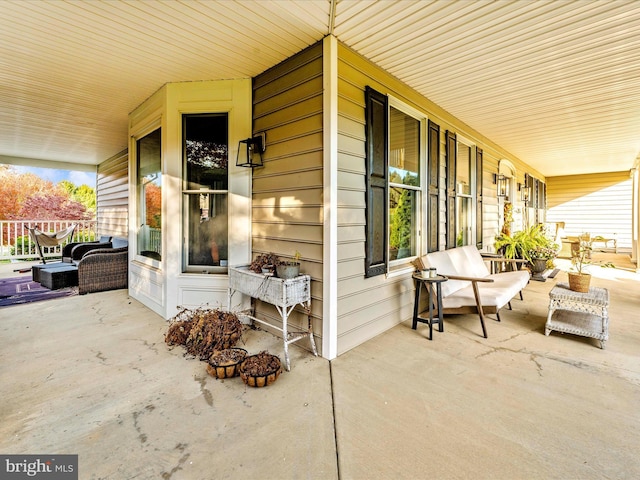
{"x":501,"y":181}
{"x":250,"y":151}
{"x":525,"y":191}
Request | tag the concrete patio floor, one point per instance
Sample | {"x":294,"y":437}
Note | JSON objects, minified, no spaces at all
{"x":91,"y":375}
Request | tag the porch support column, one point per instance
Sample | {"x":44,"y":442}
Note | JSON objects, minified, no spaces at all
{"x":330,"y":194}
{"x":635,"y":230}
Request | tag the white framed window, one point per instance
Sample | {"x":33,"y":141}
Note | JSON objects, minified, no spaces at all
{"x":406,"y":182}
{"x":465,"y":192}
{"x":149,"y":196}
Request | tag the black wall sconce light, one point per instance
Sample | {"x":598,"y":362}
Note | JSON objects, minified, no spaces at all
{"x":525,"y":190}
{"x":501,"y":182}
{"x":250,"y":151}
{"x":524,"y":194}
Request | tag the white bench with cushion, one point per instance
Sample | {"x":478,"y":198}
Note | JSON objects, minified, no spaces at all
{"x":471,"y":287}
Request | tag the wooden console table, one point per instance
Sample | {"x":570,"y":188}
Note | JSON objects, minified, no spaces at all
{"x":285,"y":295}
{"x":578,"y":313}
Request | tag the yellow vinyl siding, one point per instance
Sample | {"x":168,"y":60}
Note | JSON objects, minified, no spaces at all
{"x":112,"y":196}
{"x":368,"y":306}
{"x":287,"y":192}
{"x":600,"y":204}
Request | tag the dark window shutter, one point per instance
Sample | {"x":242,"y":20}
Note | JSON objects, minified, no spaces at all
{"x":479,"y":171}
{"x":451,"y":153}
{"x":531,"y":193}
{"x":377,"y":231}
{"x":434,"y":187}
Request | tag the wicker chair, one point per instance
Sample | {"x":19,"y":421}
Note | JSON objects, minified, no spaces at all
{"x":103,"y":269}
{"x":73,"y":252}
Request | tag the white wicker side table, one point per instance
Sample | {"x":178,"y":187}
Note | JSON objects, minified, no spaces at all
{"x":584,"y":314}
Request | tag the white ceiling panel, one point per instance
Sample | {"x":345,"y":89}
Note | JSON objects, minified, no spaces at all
{"x":556,"y":83}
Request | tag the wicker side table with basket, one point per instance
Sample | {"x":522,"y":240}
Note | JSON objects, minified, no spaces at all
{"x":584,"y":314}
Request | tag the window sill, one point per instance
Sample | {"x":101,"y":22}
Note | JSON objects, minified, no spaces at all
{"x":400,"y":270}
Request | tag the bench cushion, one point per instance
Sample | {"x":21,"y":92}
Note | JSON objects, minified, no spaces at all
{"x":467,"y":262}
{"x":490,"y":297}
{"x":462,"y":261}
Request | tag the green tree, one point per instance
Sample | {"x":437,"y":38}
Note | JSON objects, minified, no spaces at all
{"x":83,"y":194}
{"x":400,"y":236}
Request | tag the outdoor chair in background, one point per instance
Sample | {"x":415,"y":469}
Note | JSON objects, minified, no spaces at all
{"x":73,"y":252}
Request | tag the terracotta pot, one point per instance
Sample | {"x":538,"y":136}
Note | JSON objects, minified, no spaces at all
{"x":579,"y":282}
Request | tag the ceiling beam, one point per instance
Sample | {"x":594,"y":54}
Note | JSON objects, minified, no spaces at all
{"x":39,"y":163}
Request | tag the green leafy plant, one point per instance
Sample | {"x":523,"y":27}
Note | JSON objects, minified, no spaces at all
{"x":23,"y":245}
{"x":523,"y":244}
{"x":582,"y":259}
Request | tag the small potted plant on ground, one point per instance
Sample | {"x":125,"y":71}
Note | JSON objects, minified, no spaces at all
{"x":260,"y":370}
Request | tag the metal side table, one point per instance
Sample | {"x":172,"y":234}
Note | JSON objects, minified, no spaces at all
{"x":435,"y":301}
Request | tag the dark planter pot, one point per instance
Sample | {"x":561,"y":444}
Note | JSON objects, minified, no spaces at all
{"x":539,"y":265}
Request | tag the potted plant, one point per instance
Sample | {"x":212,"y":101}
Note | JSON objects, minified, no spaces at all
{"x":579,"y":279}
{"x":542,"y":257}
{"x":260,"y":370}
{"x":287,"y":269}
{"x":521,"y":244}
{"x":508,"y":218}
{"x":264,"y":263}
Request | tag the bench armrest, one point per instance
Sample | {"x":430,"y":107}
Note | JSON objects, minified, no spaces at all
{"x":79,"y":251}
{"x":496,"y":258}
{"x":469,"y":279}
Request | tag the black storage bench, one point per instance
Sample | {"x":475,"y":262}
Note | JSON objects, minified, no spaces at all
{"x":59,"y":277}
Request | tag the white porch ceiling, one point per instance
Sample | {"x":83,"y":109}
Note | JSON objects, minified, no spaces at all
{"x":556,"y":83}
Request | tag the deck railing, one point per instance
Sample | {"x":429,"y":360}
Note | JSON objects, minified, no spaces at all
{"x":15,"y":242}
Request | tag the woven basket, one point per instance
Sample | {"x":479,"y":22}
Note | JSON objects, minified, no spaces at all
{"x":226,"y":369}
{"x":260,"y":380}
{"x":579,"y":282}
